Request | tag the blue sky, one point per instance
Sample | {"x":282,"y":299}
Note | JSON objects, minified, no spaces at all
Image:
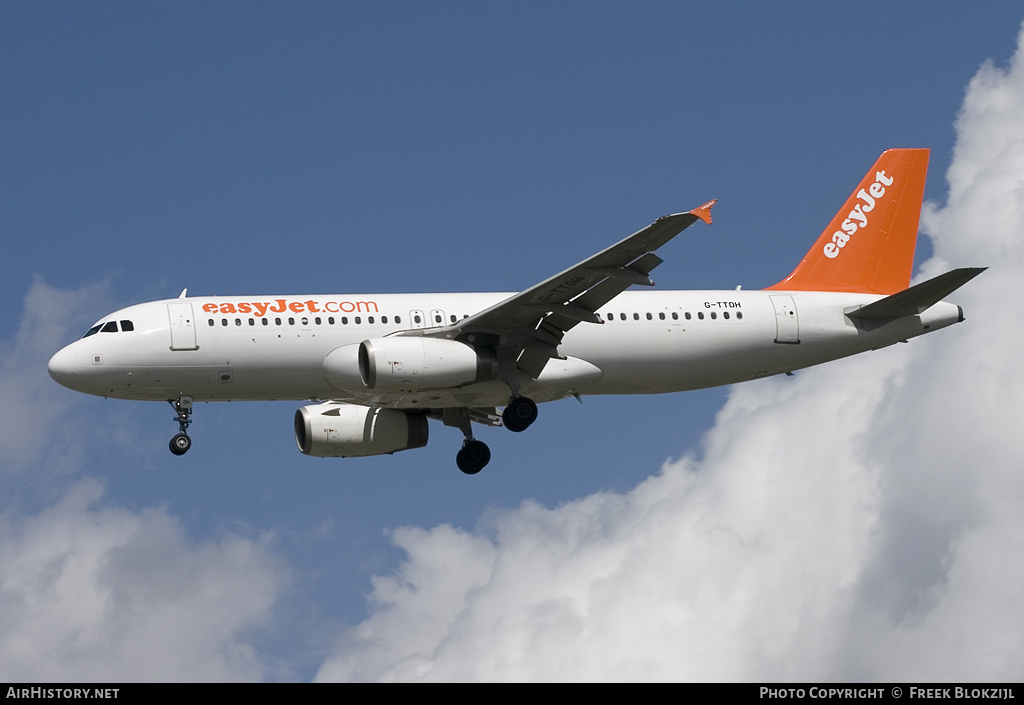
{"x":270,"y":148}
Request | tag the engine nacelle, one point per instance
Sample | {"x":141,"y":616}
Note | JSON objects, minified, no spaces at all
{"x":336,"y":430}
{"x":413,"y":364}
{"x":341,"y":368}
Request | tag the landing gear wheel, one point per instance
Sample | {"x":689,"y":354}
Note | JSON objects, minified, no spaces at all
{"x":183,"y":415}
{"x":519,"y":414}
{"x":180,"y":444}
{"x":473,"y":457}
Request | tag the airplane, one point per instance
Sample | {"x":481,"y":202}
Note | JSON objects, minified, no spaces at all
{"x":379,"y":367}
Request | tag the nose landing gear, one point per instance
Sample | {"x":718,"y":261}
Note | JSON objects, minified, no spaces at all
{"x":183,"y":410}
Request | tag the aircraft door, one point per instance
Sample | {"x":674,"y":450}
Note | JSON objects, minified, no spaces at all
{"x":183,"y":328}
{"x":786,"y":320}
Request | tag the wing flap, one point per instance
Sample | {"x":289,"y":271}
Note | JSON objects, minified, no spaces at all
{"x":534,"y":359}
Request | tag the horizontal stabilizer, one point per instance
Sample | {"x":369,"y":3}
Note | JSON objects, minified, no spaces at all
{"x":918,"y":298}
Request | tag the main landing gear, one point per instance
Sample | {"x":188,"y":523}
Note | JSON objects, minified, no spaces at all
{"x":183,"y":408}
{"x":474,"y":455}
{"x":519,"y":414}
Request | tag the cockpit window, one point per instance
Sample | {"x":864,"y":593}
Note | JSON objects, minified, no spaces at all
{"x":109,"y":327}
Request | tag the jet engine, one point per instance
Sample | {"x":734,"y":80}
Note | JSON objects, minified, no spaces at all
{"x":337,"y":430}
{"x":409,"y":364}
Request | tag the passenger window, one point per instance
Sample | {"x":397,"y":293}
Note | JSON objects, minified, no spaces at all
{"x":739,"y":314}
{"x":661,"y":316}
{"x":675,"y":316}
{"x":317,"y":320}
{"x":344,"y":320}
{"x":211,"y":321}
{"x":127,"y":326}
{"x":291,"y":321}
{"x":725,"y":315}
{"x":398,"y":319}
{"x":650,"y":317}
{"x":383,"y":319}
{"x":688,"y":316}
{"x":357,"y":320}
{"x":636,"y":316}
{"x":223,"y":321}
{"x":305,"y":321}
{"x":277,"y":321}
{"x":437,"y":319}
{"x":369,"y":319}
{"x":417,"y":319}
{"x":238,"y":321}
{"x":330,"y":320}
{"x":109,"y":327}
{"x":610,"y":317}
{"x":266,"y":322}
{"x":622,"y":316}
{"x":454,"y":318}
{"x":700,"y":315}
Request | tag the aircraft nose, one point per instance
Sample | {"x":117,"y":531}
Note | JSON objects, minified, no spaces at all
{"x":63,"y":366}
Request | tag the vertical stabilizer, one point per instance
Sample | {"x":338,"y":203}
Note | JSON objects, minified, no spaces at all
{"x":869,"y":245}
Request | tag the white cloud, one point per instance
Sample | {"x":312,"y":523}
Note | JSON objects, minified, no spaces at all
{"x":31,"y":399}
{"x":859,"y":522}
{"x":91,"y":593}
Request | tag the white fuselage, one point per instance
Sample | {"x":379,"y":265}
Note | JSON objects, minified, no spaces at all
{"x":265,"y":348}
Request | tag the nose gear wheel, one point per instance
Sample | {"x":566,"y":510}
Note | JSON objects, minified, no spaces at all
{"x":183,"y":415}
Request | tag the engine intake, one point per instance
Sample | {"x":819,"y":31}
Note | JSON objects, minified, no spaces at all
{"x":337,"y":430}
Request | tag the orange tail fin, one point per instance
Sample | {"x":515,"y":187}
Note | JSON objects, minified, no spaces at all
{"x":869,"y":245}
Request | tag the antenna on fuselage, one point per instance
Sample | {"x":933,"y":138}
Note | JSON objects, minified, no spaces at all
{"x":184,"y":293}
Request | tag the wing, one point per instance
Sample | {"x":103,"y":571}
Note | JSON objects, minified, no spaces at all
{"x":529,"y":326}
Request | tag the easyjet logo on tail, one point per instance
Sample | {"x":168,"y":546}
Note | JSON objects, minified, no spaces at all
{"x":858,"y":217}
